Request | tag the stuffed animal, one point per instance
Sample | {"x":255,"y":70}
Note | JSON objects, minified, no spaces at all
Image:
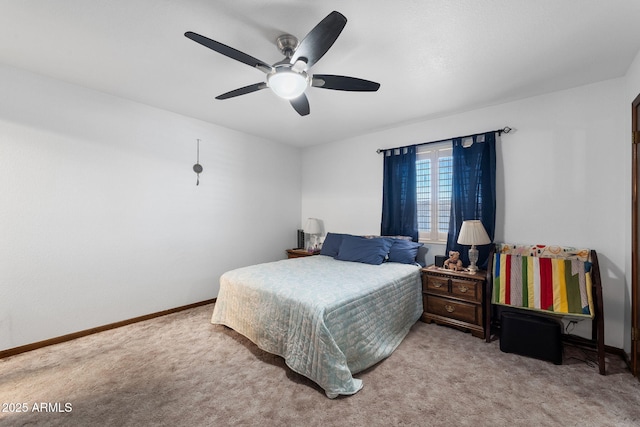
{"x":453,"y":263}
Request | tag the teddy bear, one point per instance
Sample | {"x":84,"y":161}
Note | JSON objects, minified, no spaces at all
{"x":453,"y":263}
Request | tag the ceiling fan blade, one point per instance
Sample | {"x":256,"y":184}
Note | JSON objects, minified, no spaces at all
{"x":320,"y":39}
{"x":301,"y":104}
{"x":229,"y":51}
{"x":243,"y":90}
{"x":330,"y":81}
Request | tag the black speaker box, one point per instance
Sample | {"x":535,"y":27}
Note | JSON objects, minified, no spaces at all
{"x":531,"y":335}
{"x":300,"y":239}
{"x":440,"y":259}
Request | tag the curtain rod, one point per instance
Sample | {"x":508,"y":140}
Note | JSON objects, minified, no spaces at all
{"x":505,"y":129}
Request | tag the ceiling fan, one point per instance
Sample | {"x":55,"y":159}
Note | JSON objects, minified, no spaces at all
{"x":290,"y":77}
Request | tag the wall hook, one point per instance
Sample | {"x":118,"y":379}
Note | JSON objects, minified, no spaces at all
{"x":197,"y":168}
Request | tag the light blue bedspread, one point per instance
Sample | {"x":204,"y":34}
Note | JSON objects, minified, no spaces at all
{"x":328,"y":319}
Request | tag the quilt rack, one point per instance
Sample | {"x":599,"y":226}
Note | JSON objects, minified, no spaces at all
{"x":555,"y":278}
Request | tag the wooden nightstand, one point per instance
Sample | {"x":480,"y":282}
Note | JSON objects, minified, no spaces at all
{"x":297,"y":253}
{"x":454,"y":298}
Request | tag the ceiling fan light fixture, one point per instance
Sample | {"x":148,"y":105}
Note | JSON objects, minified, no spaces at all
{"x":287,"y":83}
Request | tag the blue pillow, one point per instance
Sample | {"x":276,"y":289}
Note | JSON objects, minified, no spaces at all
{"x":404,"y":251}
{"x":361,"y":249}
{"x":331,"y":244}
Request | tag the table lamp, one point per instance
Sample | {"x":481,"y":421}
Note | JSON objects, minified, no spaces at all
{"x":313,"y":228}
{"x":473,"y":233}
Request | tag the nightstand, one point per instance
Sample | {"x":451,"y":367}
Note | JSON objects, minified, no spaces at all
{"x":298,"y":253}
{"x":454,"y":298}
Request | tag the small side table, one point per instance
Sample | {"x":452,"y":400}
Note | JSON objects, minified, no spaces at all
{"x":455,"y":299}
{"x":299,"y":253}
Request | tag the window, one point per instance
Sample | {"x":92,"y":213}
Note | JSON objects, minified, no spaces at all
{"x":434,"y":170}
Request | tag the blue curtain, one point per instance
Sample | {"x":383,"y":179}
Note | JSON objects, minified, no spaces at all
{"x":399,"y":198}
{"x":474,"y":192}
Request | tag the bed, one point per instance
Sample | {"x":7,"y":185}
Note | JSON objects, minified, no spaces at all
{"x":327,"y":317}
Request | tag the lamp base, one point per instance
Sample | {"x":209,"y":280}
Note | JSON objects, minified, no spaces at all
{"x":473,"y":258}
{"x":312,"y":243}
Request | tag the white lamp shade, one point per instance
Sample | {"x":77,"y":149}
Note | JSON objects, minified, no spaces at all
{"x":313,"y":226}
{"x":473,"y":233}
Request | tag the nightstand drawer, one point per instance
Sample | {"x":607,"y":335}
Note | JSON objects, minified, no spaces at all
{"x":465,"y":312}
{"x":436,"y":284}
{"x":470,"y":290}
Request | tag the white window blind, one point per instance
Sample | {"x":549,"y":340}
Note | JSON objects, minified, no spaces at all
{"x":434,"y":169}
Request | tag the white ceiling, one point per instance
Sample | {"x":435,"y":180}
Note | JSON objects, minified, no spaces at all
{"x":431,"y":57}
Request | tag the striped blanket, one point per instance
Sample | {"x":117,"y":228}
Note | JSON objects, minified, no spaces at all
{"x":548,"y":278}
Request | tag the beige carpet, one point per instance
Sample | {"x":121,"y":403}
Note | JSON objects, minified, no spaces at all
{"x":179,"y":370}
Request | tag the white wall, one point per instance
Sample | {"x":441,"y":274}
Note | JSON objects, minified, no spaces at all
{"x":562,"y":178}
{"x":633,"y":79}
{"x":100,"y":217}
